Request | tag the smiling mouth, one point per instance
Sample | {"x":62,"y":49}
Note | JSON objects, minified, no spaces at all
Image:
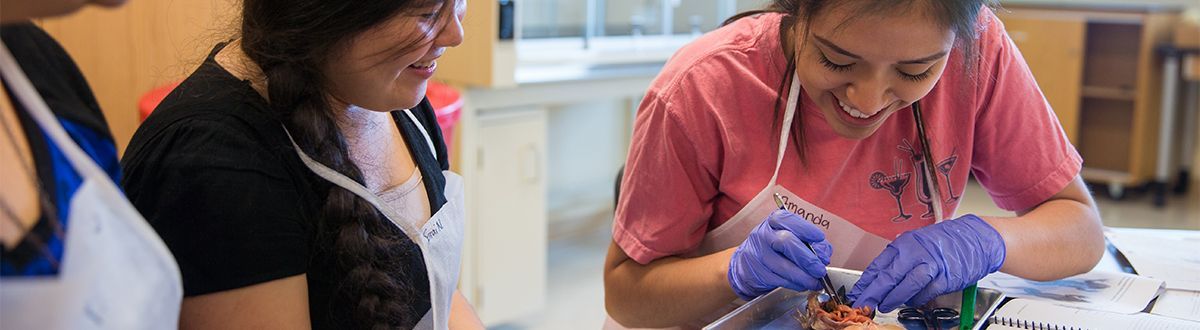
{"x":852,"y":111}
{"x":424,"y":64}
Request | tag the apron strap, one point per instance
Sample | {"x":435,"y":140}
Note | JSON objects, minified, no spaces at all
{"x":789,"y":113}
{"x":934,"y":194}
{"x":423,"y":131}
{"x":354,"y":187}
{"x":24,"y":91}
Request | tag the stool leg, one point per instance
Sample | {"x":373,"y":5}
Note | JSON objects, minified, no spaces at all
{"x":1188,"y":154}
{"x":1116,"y":190}
{"x":1166,"y":129}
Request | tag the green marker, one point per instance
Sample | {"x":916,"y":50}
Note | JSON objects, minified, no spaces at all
{"x":966,"y":317}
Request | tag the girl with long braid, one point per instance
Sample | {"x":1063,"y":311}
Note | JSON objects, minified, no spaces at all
{"x":299,"y":176}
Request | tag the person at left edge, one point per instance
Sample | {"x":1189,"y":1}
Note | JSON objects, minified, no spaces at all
{"x":76,"y":254}
{"x":299,"y":175}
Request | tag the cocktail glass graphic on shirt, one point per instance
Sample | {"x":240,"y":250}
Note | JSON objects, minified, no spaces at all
{"x":894,"y":184}
{"x":924,"y":194}
{"x":944,"y":167}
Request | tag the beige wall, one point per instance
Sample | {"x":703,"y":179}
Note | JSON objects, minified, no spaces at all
{"x":146,"y":43}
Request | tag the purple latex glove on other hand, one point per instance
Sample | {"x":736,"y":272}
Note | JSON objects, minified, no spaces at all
{"x":774,"y":256}
{"x":928,"y":262}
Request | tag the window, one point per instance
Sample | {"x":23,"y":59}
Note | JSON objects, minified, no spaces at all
{"x":541,"y":19}
{"x":576,"y":39}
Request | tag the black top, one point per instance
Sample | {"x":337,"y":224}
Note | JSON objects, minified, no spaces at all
{"x":214,"y":173}
{"x":62,"y":86}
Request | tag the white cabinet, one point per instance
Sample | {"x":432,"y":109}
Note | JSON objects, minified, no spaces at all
{"x":502,"y":155}
{"x":505,"y":255}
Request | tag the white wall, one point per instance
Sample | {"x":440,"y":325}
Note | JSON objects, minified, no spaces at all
{"x":586,"y":147}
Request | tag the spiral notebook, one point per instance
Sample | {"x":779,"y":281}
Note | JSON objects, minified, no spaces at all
{"x":1039,"y":315}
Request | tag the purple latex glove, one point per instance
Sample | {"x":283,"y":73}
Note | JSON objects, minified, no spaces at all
{"x":774,"y":256}
{"x":928,"y":262}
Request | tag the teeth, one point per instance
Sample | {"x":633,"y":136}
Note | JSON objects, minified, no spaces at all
{"x":424,"y":65}
{"x":852,"y":111}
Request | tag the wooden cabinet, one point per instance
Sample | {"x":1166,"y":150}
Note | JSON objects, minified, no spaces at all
{"x":483,"y":59}
{"x":1098,"y":69}
{"x":1053,"y":48}
{"x":125,"y":52}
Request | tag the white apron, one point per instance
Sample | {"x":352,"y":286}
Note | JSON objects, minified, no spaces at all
{"x":853,"y":247}
{"x":440,"y":237}
{"x":116,"y":273}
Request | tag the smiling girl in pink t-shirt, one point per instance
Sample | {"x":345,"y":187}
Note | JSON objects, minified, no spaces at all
{"x":817,"y":102}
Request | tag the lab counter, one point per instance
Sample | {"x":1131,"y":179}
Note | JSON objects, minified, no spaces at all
{"x":528,"y":75}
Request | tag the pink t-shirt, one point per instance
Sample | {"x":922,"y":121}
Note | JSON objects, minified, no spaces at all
{"x":705,"y":142}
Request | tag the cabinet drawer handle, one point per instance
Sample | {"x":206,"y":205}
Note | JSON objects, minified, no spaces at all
{"x":532,"y":167}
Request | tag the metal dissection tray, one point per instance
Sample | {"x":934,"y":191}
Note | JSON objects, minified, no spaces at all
{"x":778,"y":309}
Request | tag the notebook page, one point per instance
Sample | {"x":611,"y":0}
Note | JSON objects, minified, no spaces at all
{"x":1041,"y":312}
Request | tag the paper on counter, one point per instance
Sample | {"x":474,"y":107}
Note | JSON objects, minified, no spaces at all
{"x":1178,"y":304}
{"x":1047,"y":315}
{"x":1103,"y":291}
{"x":1176,"y":276}
{"x":1168,"y":255}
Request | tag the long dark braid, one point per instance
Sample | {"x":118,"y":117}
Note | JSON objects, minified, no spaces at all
{"x":290,"y":40}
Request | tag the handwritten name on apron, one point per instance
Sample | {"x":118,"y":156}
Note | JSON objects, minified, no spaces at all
{"x":817,"y":218}
{"x":434,"y":230}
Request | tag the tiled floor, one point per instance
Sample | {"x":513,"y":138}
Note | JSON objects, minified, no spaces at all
{"x":576,"y":292}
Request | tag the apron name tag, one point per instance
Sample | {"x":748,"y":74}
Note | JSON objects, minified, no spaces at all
{"x":432,"y":231}
{"x":816,"y":219}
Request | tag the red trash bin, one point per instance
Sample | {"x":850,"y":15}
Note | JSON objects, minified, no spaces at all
{"x":447,"y":104}
{"x":151,"y":99}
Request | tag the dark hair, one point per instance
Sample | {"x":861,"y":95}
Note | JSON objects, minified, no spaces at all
{"x":290,"y":41}
{"x":960,"y":16}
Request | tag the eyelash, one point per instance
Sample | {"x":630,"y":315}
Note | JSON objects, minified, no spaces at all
{"x":834,"y":66}
{"x":915,"y":77}
{"x":844,"y":67}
